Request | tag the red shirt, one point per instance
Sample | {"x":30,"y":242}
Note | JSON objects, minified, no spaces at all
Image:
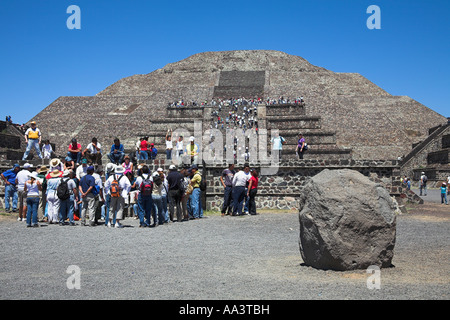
{"x":72,"y":148}
{"x":254,"y":182}
{"x":144,"y":145}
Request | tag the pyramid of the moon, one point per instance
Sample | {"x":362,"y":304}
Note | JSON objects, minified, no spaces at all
{"x":362,"y":116}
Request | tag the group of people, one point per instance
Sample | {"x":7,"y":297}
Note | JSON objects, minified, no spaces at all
{"x":423,"y":182}
{"x":62,"y":195}
{"x":240,"y":189}
{"x":235,"y":101}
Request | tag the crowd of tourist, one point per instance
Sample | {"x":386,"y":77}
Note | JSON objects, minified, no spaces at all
{"x":60,"y":194}
{"x":78,"y":188}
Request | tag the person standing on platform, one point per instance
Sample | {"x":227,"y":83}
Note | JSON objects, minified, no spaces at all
{"x":33,"y":140}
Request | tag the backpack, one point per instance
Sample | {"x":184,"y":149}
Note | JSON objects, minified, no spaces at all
{"x":425,"y":179}
{"x":157,"y":179}
{"x":146,"y":187}
{"x":202,"y":183}
{"x":62,"y":192}
{"x":115,"y":187}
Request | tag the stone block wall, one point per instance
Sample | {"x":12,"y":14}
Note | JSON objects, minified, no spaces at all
{"x":281,"y":190}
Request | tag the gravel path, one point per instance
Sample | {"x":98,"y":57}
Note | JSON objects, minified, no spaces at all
{"x":223,"y":258}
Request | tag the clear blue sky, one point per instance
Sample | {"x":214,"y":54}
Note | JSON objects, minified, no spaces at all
{"x":41,"y":59}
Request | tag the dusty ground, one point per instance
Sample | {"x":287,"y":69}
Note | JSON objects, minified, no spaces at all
{"x":219,"y":258}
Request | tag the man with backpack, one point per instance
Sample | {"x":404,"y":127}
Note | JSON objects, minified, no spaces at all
{"x":67,"y":192}
{"x":117,"y":186}
{"x":144,"y":185}
{"x":423,"y":183}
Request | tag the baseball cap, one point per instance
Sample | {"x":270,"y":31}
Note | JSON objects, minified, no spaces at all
{"x":172,"y":167}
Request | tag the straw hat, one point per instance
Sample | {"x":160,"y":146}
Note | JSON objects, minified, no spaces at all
{"x":55,"y":173}
{"x":55,"y":162}
{"x":43,"y":169}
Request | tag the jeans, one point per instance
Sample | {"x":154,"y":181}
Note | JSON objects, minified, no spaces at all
{"x":66,"y":208}
{"x":238,"y":199}
{"x":443,"y":198}
{"x":145,"y":204}
{"x":32,"y":143}
{"x":195,"y":204}
{"x":105,"y":208}
{"x":143,"y":155}
{"x":252,"y":202}
{"x":116,"y":157}
{"x":164,"y":208}
{"x":11,"y":191}
{"x":158,"y":217}
{"x":227,"y":200}
{"x":423,"y":187}
{"x":74,"y":156}
{"x":32,"y":210}
{"x":246,"y":200}
{"x":169,"y":154}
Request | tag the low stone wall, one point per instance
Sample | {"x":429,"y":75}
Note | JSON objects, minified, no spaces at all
{"x":281,"y":190}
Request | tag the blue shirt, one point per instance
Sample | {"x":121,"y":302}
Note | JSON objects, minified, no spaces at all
{"x":86,"y":182}
{"x":119,"y":148}
{"x":277,"y":143}
{"x":10,"y":176}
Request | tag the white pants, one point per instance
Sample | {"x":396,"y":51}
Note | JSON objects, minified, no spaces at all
{"x":53,"y":204}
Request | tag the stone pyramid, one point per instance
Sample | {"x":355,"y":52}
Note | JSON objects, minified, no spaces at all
{"x":358,"y":114}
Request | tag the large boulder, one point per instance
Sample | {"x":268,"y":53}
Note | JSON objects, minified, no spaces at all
{"x":347,"y":222}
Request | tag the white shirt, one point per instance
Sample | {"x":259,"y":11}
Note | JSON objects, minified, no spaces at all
{"x":92,"y":149}
{"x":47,"y":150}
{"x":169,"y":144}
{"x":124,"y":184}
{"x":32,"y":189}
{"x":179,"y":145}
{"x":22,"y":177}
{"x":81,"y":172}
{"x":240,"y":179}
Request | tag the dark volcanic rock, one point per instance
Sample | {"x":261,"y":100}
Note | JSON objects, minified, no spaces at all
{"x":346,"y":222}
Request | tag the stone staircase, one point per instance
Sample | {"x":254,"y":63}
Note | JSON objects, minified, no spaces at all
{"x":432,"y":156}
{"x":290,"y":120}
